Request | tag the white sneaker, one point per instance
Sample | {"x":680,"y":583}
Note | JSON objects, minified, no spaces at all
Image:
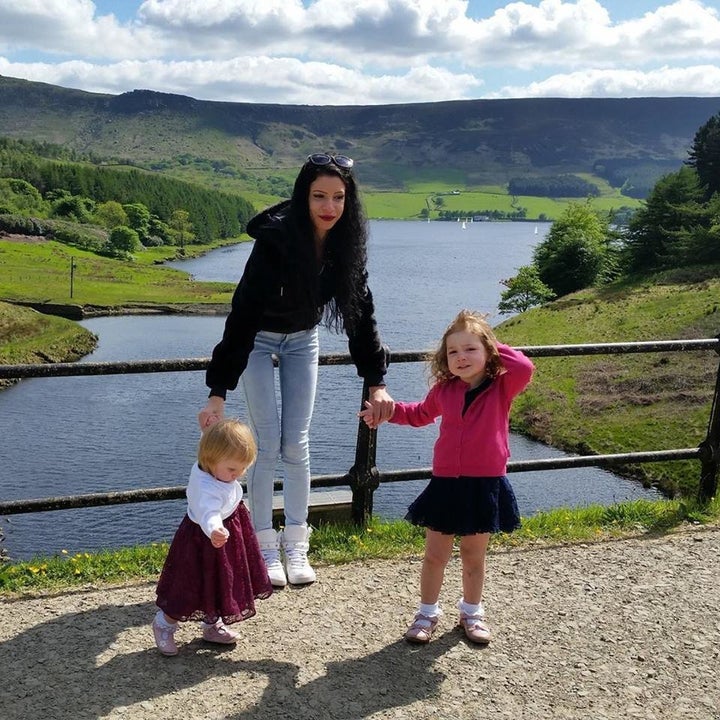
{"x":269,"y":542}
{"x":295,"y":544}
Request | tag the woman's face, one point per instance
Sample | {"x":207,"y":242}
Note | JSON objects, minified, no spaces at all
{"x":326,"y":203}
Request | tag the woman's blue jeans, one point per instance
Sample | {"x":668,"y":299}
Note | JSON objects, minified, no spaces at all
{"x":282,"y":430}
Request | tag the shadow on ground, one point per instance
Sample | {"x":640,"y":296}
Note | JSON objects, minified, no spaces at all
{"x":75,"y":666}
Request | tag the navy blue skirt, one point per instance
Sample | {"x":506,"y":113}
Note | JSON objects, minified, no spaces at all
{"x":466,"y":506}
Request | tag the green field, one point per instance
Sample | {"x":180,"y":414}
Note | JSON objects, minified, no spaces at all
{"x":27,"y":336}
{"x":409,"y":204}
{"x":625,"y":403}
{"x":41,"y":272}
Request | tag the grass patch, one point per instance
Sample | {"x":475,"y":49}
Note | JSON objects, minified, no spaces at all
{"x":40,"y":272}
{"x":27,"y":336}
{"x":624,"y":403}
{"x":344,"y":543}
{"x":408,"y":204}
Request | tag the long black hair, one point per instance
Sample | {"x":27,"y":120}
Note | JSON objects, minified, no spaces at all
{"x":345,"y":253}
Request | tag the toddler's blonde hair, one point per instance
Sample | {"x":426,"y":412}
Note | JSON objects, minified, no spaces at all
{"x":225,"y":439}
{"x":477,"y":324}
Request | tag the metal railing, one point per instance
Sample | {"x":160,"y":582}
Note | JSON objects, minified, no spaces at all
{"x":363,"y":477}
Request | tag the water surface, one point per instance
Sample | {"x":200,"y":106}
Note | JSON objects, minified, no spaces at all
{"x":65,"y":436}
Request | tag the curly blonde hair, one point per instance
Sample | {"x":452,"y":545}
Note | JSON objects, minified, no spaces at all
{"x":225,"y":439}
{"x":475,"y":323}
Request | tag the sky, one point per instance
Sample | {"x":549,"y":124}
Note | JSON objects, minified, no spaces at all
{"x":366,"y":52}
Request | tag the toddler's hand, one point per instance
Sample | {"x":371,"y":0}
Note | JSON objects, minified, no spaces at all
{"x":211,"y":413}
{"x":219,"y":537}
{"x":205,"y":420}
{"x":368,"y":416}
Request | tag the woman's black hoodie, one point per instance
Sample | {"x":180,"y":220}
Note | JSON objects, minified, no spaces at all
{"x":274,"y":295}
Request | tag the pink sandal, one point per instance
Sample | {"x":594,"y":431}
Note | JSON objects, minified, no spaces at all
{"x":476,"y":631}
{"x":421,"y":629}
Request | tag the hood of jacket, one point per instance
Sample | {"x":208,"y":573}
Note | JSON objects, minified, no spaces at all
{"x":269,"y":220}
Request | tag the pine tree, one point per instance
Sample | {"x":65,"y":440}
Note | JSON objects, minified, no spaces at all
{"x":705,"y":156}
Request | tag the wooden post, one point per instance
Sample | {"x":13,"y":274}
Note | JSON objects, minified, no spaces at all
{"x":72,"y":274}
{"x":710,"y":449}
{"x":363,"y":476}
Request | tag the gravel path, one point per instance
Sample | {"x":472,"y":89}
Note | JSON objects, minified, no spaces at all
{"x":623,"y":629}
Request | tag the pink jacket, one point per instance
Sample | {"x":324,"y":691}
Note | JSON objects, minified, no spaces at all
{"x":476,"y":444}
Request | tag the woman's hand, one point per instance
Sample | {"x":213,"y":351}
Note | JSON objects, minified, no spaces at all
{"x":212,"y":412}
{"x":219,"y":537}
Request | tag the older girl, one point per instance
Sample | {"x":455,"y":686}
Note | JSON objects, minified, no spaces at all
{"x":475,"y":381}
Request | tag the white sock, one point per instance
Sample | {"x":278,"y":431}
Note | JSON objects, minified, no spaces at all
{"x":160,"y":617}
{"x":430,"y":610}
{"x":471,"y":609}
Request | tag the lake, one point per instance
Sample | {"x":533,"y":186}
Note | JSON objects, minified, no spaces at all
{"x":76,"y":435}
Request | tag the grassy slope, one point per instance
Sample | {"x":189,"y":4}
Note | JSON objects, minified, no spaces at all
{"x":609,"y":404}
{"x":40,"y":272}
{"x":27,"y":336}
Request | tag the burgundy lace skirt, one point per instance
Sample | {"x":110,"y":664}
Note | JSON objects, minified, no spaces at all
{"x":199,"y":581}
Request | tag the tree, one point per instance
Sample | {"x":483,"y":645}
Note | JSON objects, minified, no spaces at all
{"x":19,"y":196}
{"x":111,"y":214}
{"x":700,"y":243}
{"x":572,"y":255}
{"x":672,"y":205}
{"x":138,"y":219}
{"x":124,"y":239}
{"x":160,"y":232}
{"x":704,"y":156}
{"x":524,"y":291}
{"x":181,"y":226}
{"x":74,"y":207}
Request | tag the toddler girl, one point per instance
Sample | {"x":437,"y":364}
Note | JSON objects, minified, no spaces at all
{"x":214,"y":570}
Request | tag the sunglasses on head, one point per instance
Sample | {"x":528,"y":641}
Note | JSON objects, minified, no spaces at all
{"x":342,"y":161}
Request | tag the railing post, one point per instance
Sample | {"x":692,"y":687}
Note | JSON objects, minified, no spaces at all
{"x":710,"y":448}
{"x":363,"y":476}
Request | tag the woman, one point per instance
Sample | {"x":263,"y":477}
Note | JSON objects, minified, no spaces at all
{"x":308,"y":264}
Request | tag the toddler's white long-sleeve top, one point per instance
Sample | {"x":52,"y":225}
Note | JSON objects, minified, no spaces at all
{"x":210,"y":501}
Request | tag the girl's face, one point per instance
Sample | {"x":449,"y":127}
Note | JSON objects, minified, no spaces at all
{"x":466,"y":357}
{"x":228,"y":470}
{"x":326,"y":203}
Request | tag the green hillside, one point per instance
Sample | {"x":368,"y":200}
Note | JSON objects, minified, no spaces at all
{"x":625,"y":403}
{"x":257,"y":148}
{"x":27,"y":336}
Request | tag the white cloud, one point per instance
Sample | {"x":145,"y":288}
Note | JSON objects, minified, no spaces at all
{"x":365,"y":51}
{"x":582,"y":34}
{"x":253,"y":79}
{"x":663,"y":82}
{"x":71,"y":27}
{"x":685,"y":29}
